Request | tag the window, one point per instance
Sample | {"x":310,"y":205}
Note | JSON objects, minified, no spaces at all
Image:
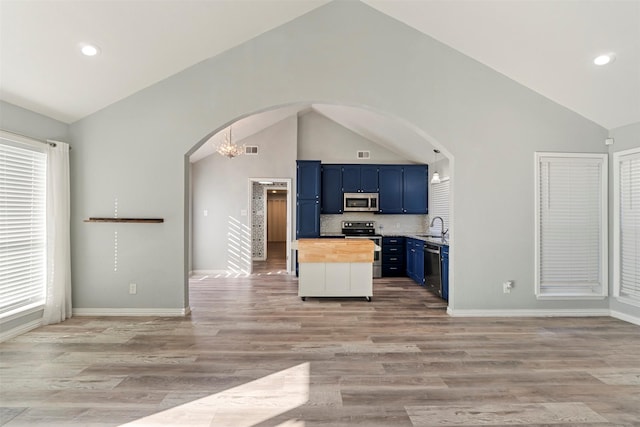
{"x":22,"y":226}
{"x":626,"y":226}
{"x":571,"y":225}
{"x":439,"y":205}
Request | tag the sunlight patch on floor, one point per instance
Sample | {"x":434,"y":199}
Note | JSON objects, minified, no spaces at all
{"x":243,"y":406}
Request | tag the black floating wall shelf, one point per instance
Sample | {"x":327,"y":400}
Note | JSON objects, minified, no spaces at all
{"x":138,"y":220}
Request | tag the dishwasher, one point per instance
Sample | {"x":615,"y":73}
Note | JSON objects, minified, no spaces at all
{"x":432,"y":280}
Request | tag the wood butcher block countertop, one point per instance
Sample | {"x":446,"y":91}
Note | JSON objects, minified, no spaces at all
{"x":335,"y":250}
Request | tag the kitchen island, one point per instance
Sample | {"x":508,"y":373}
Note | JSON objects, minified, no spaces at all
{"x":335,"y":268}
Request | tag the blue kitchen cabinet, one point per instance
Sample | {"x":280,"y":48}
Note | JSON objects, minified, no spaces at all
{"x":308,"y":218}
{"x":403,"y":189}
{"x":360,"y":178}
{"x":369,"y":178}
{"x":351,"y":178}
{"x":308,"y":183}
{"x":390,"y":189}
{"x":409,"y":257}
{"x":393,"y":256}
{"x":415,"y":260}
{"x":419,"y":263}
{"x":444,"y":271}
{"x":415,"y":180}
{"x":308,"y":179}
{"x":332,"y":201}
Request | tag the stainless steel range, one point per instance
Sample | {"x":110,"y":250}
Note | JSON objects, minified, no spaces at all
{"x":365,"y":230}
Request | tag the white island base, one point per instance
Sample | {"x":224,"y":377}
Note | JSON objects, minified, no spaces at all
{"x":335,"y":279}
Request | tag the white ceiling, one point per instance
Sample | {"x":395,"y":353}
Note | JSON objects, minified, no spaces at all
{"x":547,"y":46}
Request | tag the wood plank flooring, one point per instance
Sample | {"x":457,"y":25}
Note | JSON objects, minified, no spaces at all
{"x":253,"y":354}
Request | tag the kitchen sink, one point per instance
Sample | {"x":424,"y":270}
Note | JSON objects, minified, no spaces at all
{"x":433,"y":239}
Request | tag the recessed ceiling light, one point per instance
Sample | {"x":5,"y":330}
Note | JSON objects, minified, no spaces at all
{"x":89,"y":50}
{"x":604,"y":59}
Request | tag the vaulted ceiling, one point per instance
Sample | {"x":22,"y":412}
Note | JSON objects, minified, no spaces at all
{"x":548,"y":46}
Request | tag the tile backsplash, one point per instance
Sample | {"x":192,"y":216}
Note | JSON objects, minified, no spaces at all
{"x":385,"y":224}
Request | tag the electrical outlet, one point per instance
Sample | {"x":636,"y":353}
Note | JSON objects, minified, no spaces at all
{"x":133,"y":288}
{"x":507,"y":286}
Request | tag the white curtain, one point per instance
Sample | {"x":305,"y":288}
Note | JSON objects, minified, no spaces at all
{"x":58,"y":301}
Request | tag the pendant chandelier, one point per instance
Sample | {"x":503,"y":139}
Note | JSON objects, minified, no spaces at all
{"x":227,"y":148}
{"x":436,"y":176}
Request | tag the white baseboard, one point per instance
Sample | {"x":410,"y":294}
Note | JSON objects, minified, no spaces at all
{"x":12,"y":333}
{"x":208,"y":272}
{"x":162,"y":312}
{"x":218,"y":273}
{"x":626,"y":317}
{"x":529,"y":313}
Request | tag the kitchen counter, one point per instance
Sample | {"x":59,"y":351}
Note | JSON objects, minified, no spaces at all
{"x":335,"y":250}
{"x":429,"y":239}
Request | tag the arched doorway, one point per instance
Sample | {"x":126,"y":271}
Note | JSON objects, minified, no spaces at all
{"x":305,"y":141}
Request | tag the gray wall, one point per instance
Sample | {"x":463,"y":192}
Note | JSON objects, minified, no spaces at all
{"x":221,"y":185}
{"x":320,"y":138}
{"x":34,"y":125}
{"x":626,"y":137}
{"x":345,"y":53}
{"x":27,"y":123}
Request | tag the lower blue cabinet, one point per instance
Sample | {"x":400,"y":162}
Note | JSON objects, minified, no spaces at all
{"x":393,"y":257}
{"x":308,"y":218}
{"x":419,"y":263}
{"x":444,"y":271}
{"x":414,"y":255}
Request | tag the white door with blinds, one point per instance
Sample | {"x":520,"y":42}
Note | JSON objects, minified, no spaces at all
{"x":22,"y":228}
{"x":626,"y":227}
{"x":439,"y":205}
{"x":571,"y":225}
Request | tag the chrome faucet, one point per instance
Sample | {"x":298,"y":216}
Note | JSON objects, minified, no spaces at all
{"x":443,"y":232}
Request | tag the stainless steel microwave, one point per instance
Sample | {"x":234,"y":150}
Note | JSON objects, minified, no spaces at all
{"x":360,"y":202}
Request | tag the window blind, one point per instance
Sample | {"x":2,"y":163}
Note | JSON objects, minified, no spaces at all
{"x":571,"y":226}
{"x":439,"y":205}
{"x":22,"y":227}
{"x":629,"y":219}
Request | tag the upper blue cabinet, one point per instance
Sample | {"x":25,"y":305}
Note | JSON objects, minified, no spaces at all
{"x":360,"y":178}
{"x":415,"y":189}
{"x":332,"y":189}
{"x":390,"y":193}
{"x":308,"y":182}
{"x":403,"y":189}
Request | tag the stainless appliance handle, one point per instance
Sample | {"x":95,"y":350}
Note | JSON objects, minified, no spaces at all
{"x":432,"y":251}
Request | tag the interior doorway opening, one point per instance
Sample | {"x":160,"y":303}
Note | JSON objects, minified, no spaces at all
{"x":270,"y":207}
{"x":276,"y":225}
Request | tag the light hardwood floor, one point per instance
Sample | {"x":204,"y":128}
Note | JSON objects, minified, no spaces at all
{"x":253,"y":354}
